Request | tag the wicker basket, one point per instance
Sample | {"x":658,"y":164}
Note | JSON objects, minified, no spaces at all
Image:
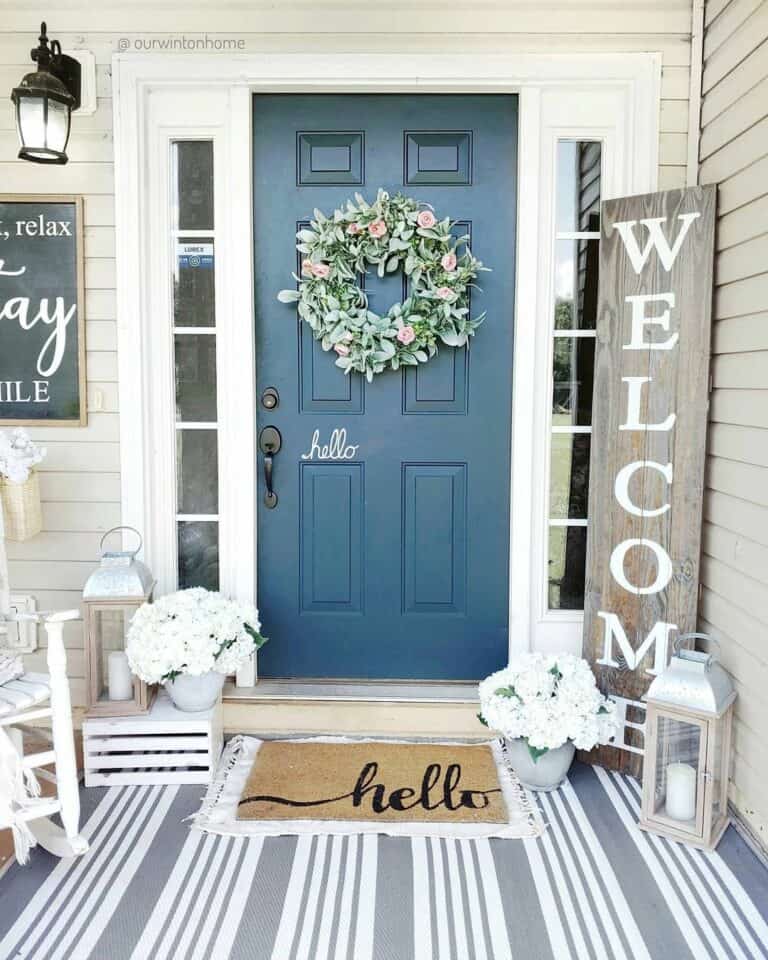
{"x":21,"y":507}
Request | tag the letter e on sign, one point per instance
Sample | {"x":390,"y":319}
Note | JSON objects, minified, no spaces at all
{"x":649,"y":421}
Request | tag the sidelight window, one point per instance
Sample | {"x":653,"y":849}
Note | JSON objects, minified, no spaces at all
{"x":194,"y":335}
{"x":577,"y":232}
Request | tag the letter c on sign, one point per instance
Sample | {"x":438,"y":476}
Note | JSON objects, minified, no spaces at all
{"x":621,"y":486}
{"x":663,"y":574}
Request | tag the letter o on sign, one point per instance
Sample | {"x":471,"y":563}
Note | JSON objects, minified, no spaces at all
{"x":664,"y":565}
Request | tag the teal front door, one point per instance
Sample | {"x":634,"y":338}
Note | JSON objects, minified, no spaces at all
{"x":386,"y":553}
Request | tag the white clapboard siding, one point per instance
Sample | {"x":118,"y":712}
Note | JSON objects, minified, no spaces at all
{"x":733,"y":478}
{"x":83,"y":467}
{"x":734,"y":569}
{"x":734,"y":119}
{"x":745,"y":186}
{"x":736,"y":47}
{"x":748,"y":259}
{"x":730,"y":18}
{"x":741,"y":370}
{"x":60,"y":545}
{"x":99,"y":240}
{"x":743,"y":223}
{"x":740,"y":81}
{"x":739,"y":516}
{"x":80,"y":457}
{"x":745,"y":407}
{"x":101,"y":335}
{"x":749,"y":745}
{"x":741,"y":334}
{"x":80,"y":488}
{"x":100,"y":211}
{"x":103,"y":396}
{"x":742,"y":296}
{"x":674,"y":116}
{"x":744,"y":665}
{"x":735,"y":442}
{"x":738,"y":551}
{"x":736,"y":591}
{"x":736,"y":154}
{"x":100,"y":304}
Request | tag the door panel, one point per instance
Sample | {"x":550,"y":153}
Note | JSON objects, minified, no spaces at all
{"x":386,"y":556}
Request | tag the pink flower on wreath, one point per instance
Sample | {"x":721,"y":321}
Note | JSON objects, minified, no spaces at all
{"x":426,"y":219}
{"x":448,"y":262}
{"x":406,"y":335}
{"x":445,"y":293}
{"x":321,"y":270}
{"x":306,"y":266}
{"x":341,"y":350}
{"x":353,"y":229}
{"x":377,"y":229}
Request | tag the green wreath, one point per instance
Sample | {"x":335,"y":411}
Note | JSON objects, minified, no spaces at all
{"x":393,"y":232}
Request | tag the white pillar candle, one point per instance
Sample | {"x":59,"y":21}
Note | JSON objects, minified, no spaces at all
{"x":120,"y":678}
{"x":681,"y":791}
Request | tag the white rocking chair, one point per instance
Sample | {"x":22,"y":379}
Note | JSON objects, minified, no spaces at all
{"x":36,"y":697}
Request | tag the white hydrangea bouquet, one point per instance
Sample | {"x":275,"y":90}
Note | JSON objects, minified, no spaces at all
{"x":194,"y":632}
{"x":547,"y":701}
{"x":18,"y":455}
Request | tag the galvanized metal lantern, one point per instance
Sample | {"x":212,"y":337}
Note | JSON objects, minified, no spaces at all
{"x":111,"y":596}
{"x":687,"y":748}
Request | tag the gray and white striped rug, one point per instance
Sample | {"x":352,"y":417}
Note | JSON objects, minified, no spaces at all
{"x":593,"y":887}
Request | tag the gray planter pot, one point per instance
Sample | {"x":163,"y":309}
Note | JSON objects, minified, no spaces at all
{"x":548,"y":772}
{"x":194,"y":694}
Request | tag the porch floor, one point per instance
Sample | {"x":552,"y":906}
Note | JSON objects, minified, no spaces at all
{"x":593,"y":886}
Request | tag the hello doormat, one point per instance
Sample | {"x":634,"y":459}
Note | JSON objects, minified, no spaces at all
{"x":331,"y":785}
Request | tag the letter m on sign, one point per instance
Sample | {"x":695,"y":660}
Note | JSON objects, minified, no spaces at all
{"x":649,"y":421}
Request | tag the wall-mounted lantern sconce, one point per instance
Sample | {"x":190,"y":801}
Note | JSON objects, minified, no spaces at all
{"x":44,"y":102}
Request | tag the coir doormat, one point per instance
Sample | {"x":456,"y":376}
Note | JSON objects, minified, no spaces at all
{"x":330,"y":785}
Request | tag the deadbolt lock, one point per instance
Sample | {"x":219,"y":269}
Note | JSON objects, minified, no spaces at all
{"x":270,"y":398}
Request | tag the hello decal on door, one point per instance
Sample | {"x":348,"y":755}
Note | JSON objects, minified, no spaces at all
{"x":337,"y":447}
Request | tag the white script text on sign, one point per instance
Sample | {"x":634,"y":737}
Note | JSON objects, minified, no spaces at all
{"x":42,"y":349}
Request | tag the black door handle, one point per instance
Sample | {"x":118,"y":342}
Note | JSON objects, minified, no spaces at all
{"x":270,"y":442}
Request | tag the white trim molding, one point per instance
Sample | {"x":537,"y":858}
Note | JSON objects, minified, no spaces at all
{"x":158,"y":98}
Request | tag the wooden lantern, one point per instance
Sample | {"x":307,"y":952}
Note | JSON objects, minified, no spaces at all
{"x":112,"y":594}
{"x":687,"y":749}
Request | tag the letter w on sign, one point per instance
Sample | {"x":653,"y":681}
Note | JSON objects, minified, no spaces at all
{"x":649,"y":423}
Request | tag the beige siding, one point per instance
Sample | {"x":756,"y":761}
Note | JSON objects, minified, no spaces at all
{"x":734,"y":154}
{"x":81,"y":477}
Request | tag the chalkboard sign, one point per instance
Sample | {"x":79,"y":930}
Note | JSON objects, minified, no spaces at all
{"x":649,"y":423}
{"x":42,"y":326}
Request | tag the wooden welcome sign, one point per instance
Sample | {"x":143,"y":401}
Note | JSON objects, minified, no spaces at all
{"x":649,"y":426}
{"x":42,"y":328}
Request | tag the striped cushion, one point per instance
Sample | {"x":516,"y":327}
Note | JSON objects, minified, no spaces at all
{"x":27,"y":691}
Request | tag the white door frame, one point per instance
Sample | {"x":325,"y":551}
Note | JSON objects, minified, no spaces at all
{"x":158,"y":98}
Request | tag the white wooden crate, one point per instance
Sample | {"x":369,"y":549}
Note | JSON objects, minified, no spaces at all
{"x":165,"y":745}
